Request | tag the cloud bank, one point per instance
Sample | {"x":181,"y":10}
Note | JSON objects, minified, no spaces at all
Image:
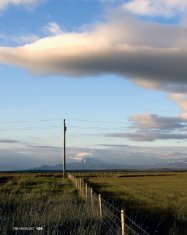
{"x":152,"y":55}
{"x":150,"y":127}
{"x":122,"y":45}
{"x":26,"y":158}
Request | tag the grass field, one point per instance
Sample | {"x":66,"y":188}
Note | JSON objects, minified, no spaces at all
{"x":157,"y":201}
{"x":44,"y":200}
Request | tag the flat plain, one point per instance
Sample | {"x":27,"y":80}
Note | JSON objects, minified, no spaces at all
{"x":35,"y":201}
{"x":155,"y":200}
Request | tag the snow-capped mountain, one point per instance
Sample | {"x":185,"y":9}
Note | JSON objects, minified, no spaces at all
{"x":91,"y":163}
{"x":87,"y":163}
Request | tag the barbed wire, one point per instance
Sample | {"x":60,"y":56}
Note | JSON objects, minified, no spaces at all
{"x":111,"y":226}
{"x":116,"y":217}
{"x":131,"y":229}
{"x":110,"y":205}
{"x":136,"y":225}
{"x":113,"y":220}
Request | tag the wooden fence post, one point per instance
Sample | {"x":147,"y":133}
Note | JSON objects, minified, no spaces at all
{"x":86,"y":190}
{"x":83,"y":187}
{"x":91,"y":197}
{"x":80,"y":185}
{"x":123,"y":232}
{"x":100,"y":207}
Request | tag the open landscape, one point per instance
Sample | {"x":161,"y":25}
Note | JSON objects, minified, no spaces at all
{"x":93,"y":117}
{"x":44,"y":204}
{"x":48,"y":203}
{"x":157,"y":201}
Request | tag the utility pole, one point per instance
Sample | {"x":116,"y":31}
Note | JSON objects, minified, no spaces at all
{"x":64,"y":160}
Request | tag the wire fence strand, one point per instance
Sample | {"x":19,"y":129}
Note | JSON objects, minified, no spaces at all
{"x":110,"y":215}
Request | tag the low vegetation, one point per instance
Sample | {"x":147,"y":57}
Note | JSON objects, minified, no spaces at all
{"x":157,"y":201}
{"x":35,"y":201}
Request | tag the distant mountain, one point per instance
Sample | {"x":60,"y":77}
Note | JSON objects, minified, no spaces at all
{"x":96,"y":164}
{"x":85,"y":164}
{"x":93,"y":164}
{"x":178,"y":165}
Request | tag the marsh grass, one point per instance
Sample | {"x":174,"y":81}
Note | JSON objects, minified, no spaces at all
{"x":33,"y":200}
{"x":156,"y":201}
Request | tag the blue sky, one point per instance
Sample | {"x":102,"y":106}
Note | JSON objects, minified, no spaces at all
{"x":114,"y":69}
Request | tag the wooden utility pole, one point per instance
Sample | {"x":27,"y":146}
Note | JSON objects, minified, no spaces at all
{"x":64,"y":160}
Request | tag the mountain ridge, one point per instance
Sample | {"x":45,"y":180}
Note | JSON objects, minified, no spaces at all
{"x":97,"y":164}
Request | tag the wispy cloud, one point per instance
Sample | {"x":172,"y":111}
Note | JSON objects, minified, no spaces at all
{"x":9,"y":141}
{"x":153,"y":127}
{"x":114,"y":145}
{"x":148,"y":136}
{"x":6,"y":3}
{"x":52,"y":28}
{"x":164,"y":8}
{"x":81,"y":155}
{"x":18,"y":39}
{"x":152,"y":121}
{"x":29,"y":38}
{"x":181,"y":99}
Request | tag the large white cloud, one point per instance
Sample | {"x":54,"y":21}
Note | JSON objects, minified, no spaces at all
{"x":152,"y":55}
{"x":122,"y":45}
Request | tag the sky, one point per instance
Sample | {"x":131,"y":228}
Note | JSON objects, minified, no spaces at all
{"x":114,"y":69}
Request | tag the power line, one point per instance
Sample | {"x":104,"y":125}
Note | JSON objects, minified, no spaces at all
{"x":60,"y":119}
{"x":29,"y":128}
{"x":31,"y":121}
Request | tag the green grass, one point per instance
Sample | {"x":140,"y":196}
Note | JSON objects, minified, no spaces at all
{"x":44,"y":200}
{"x":158,"y":200}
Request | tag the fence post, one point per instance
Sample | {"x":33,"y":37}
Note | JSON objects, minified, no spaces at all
{"x":91,"y":197}
{"x":83,"y":188}
{"x":123,"y":222}
{"x":100,"y":207}
{"x":86,"y":190}
{"x":80,"y":187}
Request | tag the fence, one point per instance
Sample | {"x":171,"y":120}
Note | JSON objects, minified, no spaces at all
{"x":113,"y":220}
